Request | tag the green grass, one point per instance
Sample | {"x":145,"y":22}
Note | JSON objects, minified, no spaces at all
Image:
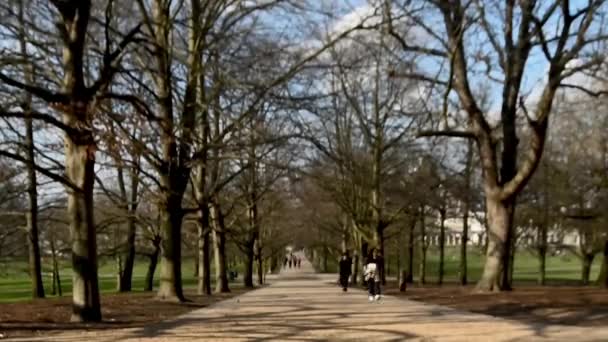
{"x":15,"y":284}
{"x":565,"y":268}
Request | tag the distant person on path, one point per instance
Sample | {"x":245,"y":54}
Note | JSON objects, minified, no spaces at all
{"x":299,"y":262}
{"x":372,"y":271}
{"x":285,"y":262}
{"x":345,"y":270}
{"x":290,"y":262}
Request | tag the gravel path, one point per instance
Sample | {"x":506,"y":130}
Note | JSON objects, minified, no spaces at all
{"x":303,"y":306}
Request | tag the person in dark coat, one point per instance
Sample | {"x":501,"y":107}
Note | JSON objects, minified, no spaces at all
{"x":345,"y":270}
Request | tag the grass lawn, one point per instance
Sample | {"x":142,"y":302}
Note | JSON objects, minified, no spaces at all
{"x":565,"y":268}
{"x":15,"y":282}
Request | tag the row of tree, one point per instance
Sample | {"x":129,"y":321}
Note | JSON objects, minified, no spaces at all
{"x":253,"y":120}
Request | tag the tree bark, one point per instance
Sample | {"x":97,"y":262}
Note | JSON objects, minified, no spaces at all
{"x":204,"y":262}
{"x":127,"y":273}
{"x":587,"y":261}
{"x":260,"y":261}
{"x":542,"y":261}
{"x":254,"y":231}
{"x":56,"y":281}
{"x":603,"y":276}
{"x":463,"y":248}
{"x":500,"y":217}
{"x":410,"y":251}
{"x":80,"y":169}
{"x":196,"y":262}
{"x":32,"y":217}
{"x":442,"y":215}
{"x":401,"y":269}
{"x":380,"y":235}
{"x":356,"y":261}
{"x":32,"y":214}
{"x":149,"y":283}
{"x":249,"y":259}
{"x":170,"y":258}
{"x":219,"y":248}
{"x":364,"y":247}
{"x":205,"y":266}
{"x":325,"y":259}
{"x":423,"y":249}
{"x":512,"y":252}
{"x":465,"y":219}
{"x":129,"y":206}
{"x":174,"y":169}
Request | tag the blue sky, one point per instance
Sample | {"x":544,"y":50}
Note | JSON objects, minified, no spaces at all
{"x":536,"y":68}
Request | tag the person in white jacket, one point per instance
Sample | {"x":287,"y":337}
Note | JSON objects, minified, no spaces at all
{"x":371,"y":271}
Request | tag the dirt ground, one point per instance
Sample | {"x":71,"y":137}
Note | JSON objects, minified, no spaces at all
{"x":121,"y":310}
{"x":565,"y":305}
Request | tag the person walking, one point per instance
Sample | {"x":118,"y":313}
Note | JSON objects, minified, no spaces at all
{"x":372,"y":273}
{"x":345,"y":270}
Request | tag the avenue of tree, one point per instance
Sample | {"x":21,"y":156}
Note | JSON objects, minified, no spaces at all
{"x":222,"y":131}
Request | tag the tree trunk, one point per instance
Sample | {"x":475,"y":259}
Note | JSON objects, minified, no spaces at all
{"x":127,"y":272}
{"x":204,"y":272}
{"x":219,"y":248}
{"x":587,"y":261}
{"x":344,"y":245}
{"x":174,"y":170}
{"x":380,"y":244}
{"x":603,"y":276}
{"x":32,"y":216}
{"x":542,"y":253}
{"x":171,"y":259}
{"x":463,"y":247}
{"x":118,"y":261}
{"x":126,"y":276}
{"x":442,"y":214}
{"x":249,"y":259}
{"x":410,"y":251}
{"x":364,"y":247}
{"x":57,"y":276}
{"x":356,"y":259}
{"x":401,"y":261}
{"x":204,"y":286}
{"x":512,"y":252}
{"x":423,"y":249}
{"x":325,"y":259}
{"x":465,"y":219}
{"x":80,"y":169}
{"x":260,"y":261}
{"x":149,"y":284}
{"x":274,"y":263}
{"x":500,"y":222}
{"x":56,"y":281}
{"x":196,"y":262}
{"x":542,"y":261}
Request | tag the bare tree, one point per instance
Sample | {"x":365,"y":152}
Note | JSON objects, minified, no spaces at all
{"x":522,"y":34}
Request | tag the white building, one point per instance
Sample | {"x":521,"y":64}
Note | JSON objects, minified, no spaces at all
{"x":526,"y":236}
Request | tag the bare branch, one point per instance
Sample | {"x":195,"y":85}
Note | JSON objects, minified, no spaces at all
{"x":58,"y":178}
{"x":453,"y":134}
{"x":41,"y":93}
{"x":585,"y":90}
{"x":109,"y":69}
